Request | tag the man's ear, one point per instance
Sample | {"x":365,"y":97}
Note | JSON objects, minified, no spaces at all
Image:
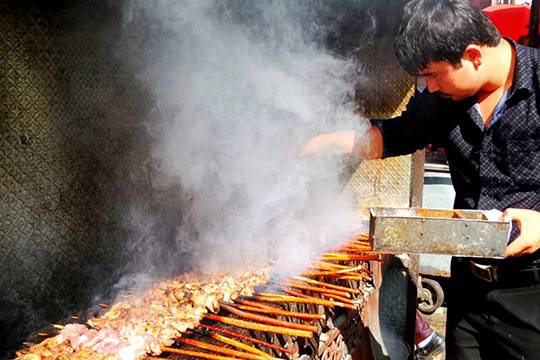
{"x":473,"y":53}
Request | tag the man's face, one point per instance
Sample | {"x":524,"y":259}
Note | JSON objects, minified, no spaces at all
{"x":456,"y":82}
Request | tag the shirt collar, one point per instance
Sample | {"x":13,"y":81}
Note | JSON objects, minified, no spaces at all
{"x":523,"y":75}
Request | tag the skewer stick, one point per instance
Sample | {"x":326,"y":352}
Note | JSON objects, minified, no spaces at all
{"x":260,"y":327}
{"x":222,"y":350}
{"x":327,"y":285}
{"x":255,"y":304}
{"x":196,"y":354}
{"x":325,"y":265}
{"x":334,"y":274}
{"x":303,"y":300}
{"x":241,"y":345}
{"x":347,"y":303}
{"x":245,"y":337}
{"x":298,"y":315}
{"x":338,"y":298}
{"x":296,"y":285}
{"x":350,"y":257}
{"x":268,"y":320}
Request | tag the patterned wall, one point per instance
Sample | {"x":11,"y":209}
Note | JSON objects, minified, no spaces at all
{"x":71,"y":118}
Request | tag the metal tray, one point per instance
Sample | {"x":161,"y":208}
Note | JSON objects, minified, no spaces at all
{"x":434,"y":231}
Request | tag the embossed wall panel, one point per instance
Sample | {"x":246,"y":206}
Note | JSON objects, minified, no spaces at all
{"x":69,"y":114}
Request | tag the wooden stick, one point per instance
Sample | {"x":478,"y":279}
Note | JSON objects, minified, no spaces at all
{"x":350,"y":257}
{"x":303,"y":300}
{"x":221,"y":349}
{"x":299,"y":294}
{"x":354,"y":249}
{"x":245,"y":337}
{"x":268,"y":320}
{"x":316,"y":289}
{"x":255,"y":304}
{"x":354,"y":277}
{"x":195,"y":354}
{"x":324,"y":284}
{"x":303,"y":316}
{"x":260,"y":327}
{"x":333,"y":274}
{"x":338,"y":298}
{"x":325,"y":265}
{"x":349,"y":270}
{"x":241,"y":345}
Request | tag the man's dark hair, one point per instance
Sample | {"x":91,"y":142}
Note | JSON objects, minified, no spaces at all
{"x":440,"y":30}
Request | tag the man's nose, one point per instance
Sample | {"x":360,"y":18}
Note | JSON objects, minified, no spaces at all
{"x":432,"y":85}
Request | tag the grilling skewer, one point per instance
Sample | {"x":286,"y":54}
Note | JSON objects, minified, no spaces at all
{"x":223,"y":350}
{"x":268,"y":320}
{"x":194,"y":353}
{"x":338,"y":275}
{"x":245,"y":337}
{"x":324,"y":284}
{"x":296,"y":285}
{"x":324,"y":265}
{"x":299,"y":294}
{"x":350,"y":257}
{"x":338,"y":298}
{"x":343,"y":300}
{"x":274,"y":311}
{"x":258,"y":326}
{"x":296,"y":299}
{"x":240,"y":345}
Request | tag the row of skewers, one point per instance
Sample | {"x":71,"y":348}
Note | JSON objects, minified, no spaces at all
{"x":224,"y":319}
{"x":331,"y":282}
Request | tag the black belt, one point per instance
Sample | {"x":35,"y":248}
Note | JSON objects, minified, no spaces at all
{"x":504,"y":275}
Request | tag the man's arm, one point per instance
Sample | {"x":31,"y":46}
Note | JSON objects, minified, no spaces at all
{"x":364,"y":147}
{"x":528,"y":222}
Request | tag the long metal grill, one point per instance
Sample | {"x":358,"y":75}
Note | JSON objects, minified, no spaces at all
{"x":315,"y":315}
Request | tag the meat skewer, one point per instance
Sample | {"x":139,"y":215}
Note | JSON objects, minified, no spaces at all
{"x":245,"y":337}
{"x":223,"y":350}
{"x":268,"y":320}
{"x":260,"y":327}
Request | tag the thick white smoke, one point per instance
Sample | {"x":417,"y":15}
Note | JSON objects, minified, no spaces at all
{"x":240,"y":86}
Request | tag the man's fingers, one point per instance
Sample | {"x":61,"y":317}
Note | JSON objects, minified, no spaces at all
{"x":512,"y":249}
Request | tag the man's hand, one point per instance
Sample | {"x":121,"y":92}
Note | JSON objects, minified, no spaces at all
{"x":528,"y":222}
{"x":343,"y":142}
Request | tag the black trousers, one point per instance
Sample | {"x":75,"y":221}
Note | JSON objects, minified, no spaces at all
{"x":491,"y":320}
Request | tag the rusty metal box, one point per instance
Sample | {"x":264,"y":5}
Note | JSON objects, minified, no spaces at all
{"x":434,"y":231}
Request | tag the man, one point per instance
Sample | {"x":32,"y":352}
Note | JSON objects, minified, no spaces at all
{"x":481,"y":103}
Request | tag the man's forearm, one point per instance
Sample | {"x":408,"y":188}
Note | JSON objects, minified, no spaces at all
{"x":364,"y":146}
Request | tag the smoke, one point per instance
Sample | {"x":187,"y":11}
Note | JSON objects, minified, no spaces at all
{"x":239,"y":88}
